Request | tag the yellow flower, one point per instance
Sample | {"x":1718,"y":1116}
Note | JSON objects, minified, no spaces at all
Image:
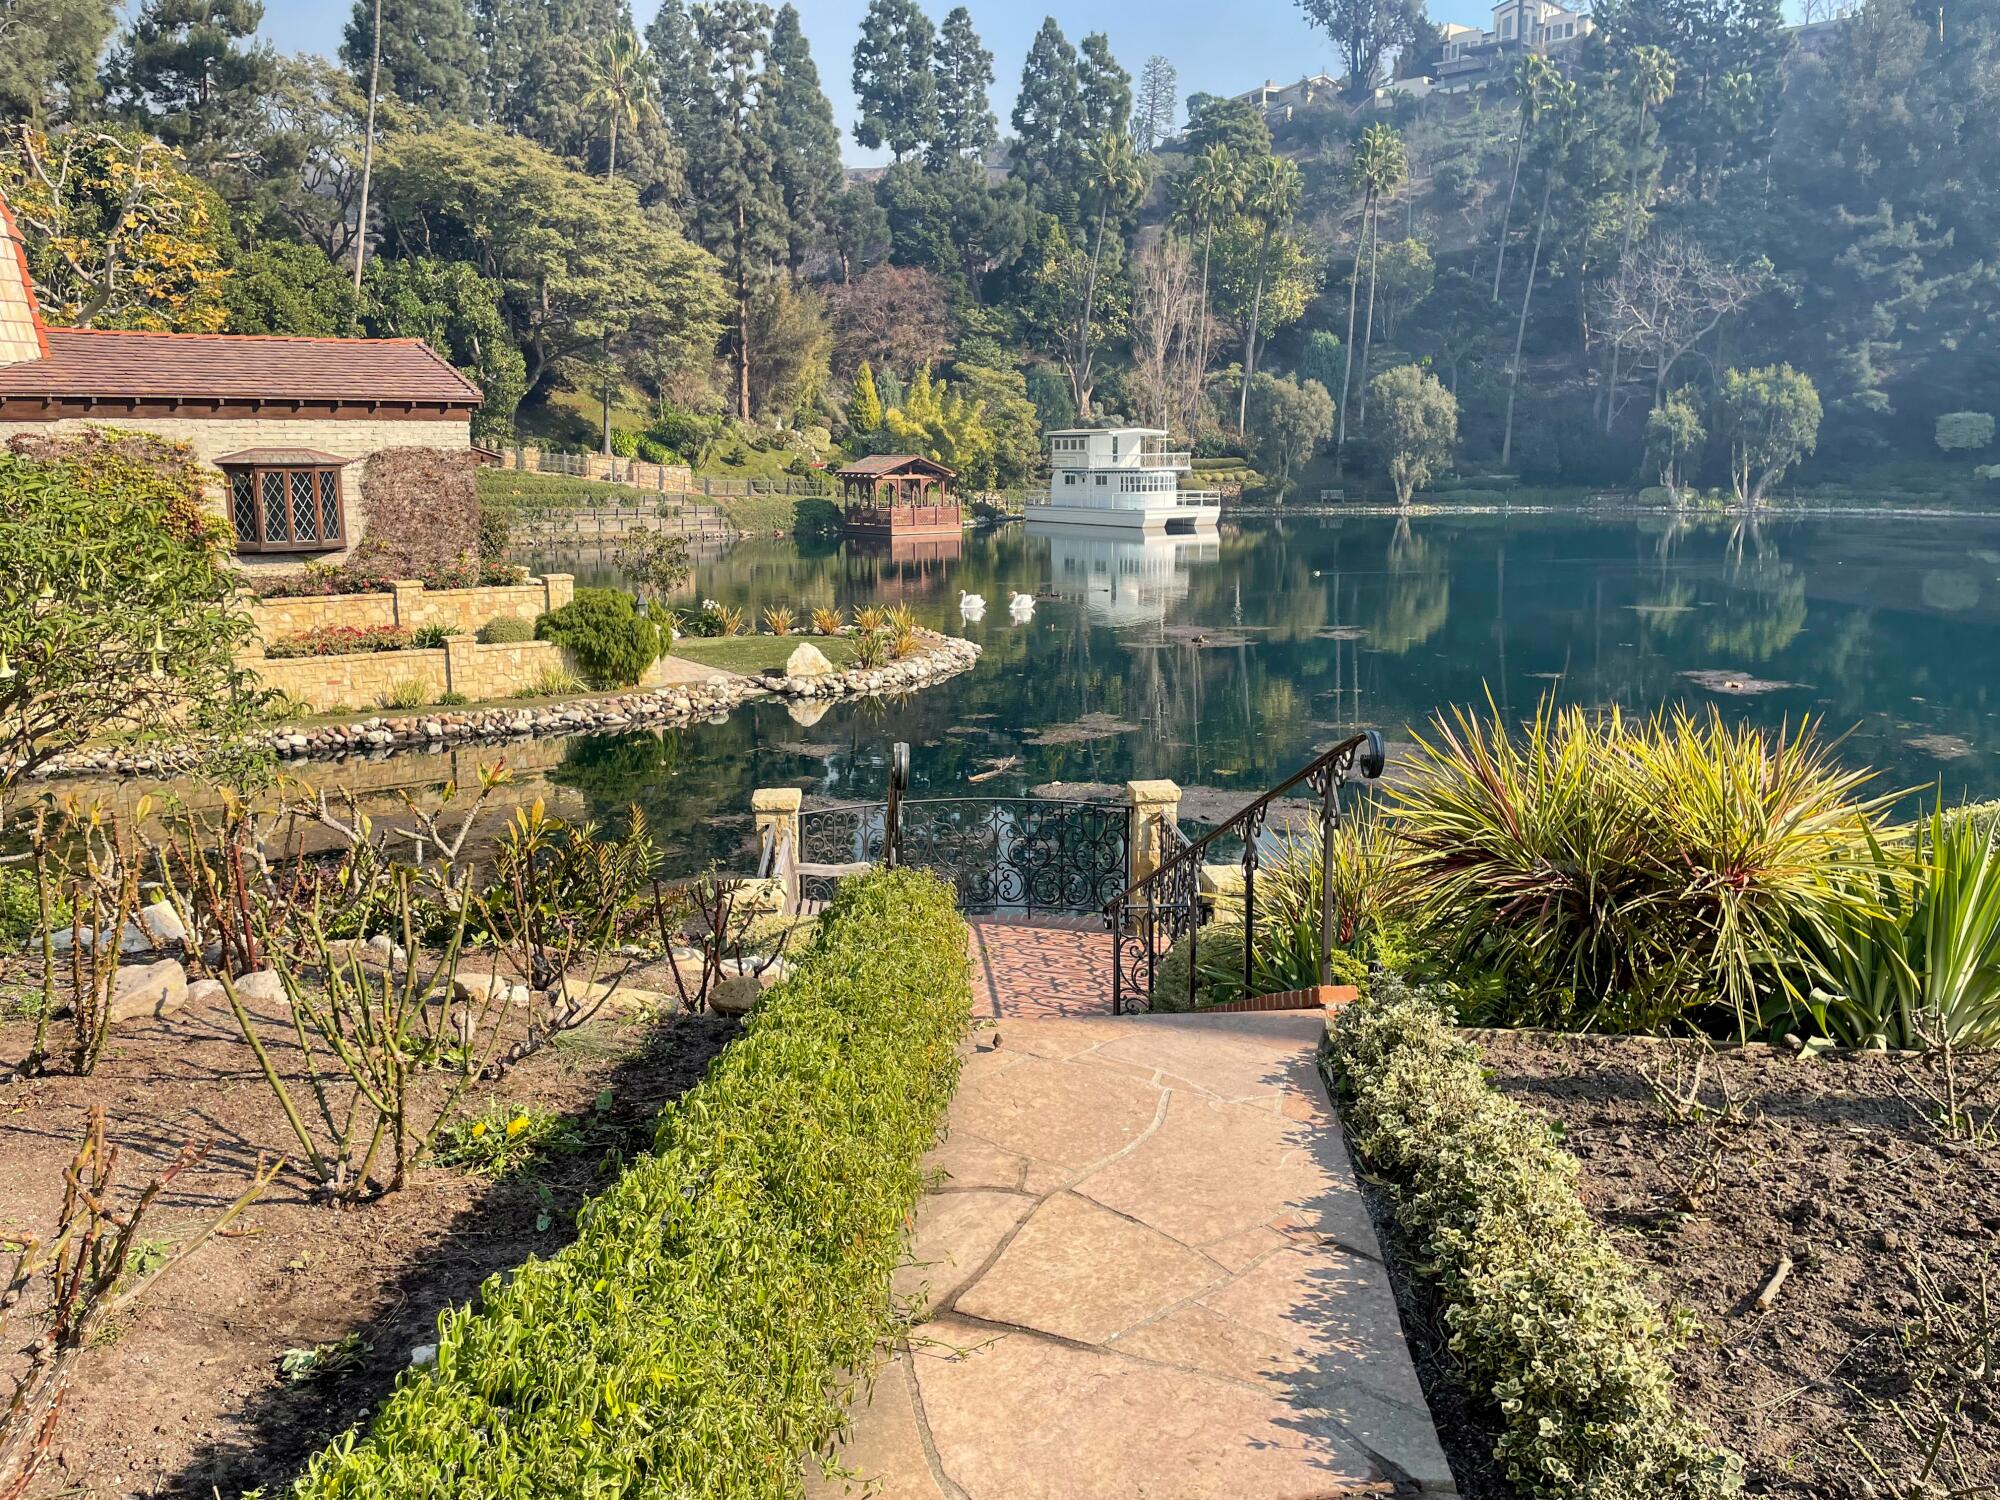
{"x":516,"y":1125}
{"x":479,"y":1130}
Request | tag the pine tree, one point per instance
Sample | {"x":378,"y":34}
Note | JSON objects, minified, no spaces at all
{"x":864,"y":406}
{"x":185,"y":73}
{"x":804,"y":140}
{"x":1153,"y":116}
{"x":964,"y":72}
{"x":1048,"y":111}
{"x":1105,"y":90}
{"x":430,"y":58}
{"x":738,"y":210}
{"x":670,"y":38}
{"x":893,"y":78}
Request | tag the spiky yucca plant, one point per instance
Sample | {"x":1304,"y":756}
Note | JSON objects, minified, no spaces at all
{"x":870,"y":617}
{"x":1616,"y":873}
{"x":828,"y":621}
{"x":779,"y":619}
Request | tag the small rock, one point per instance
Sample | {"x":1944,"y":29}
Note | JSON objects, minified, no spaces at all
{"x":264,"y":985}
{"x":423,"y":1354}
{"x":735,"y":996}
{"x":205,"y":992}
{"x":163,"y":922}
{"x":147,"y":990}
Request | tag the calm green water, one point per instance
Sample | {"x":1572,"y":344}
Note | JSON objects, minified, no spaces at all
{"x":1224,"y":664}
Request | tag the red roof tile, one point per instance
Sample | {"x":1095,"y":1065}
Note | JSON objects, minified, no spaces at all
{"x":87,"y":362}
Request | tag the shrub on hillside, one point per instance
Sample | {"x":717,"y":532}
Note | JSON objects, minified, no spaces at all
{"x":1545,"y":1318}
{"x":701,"y":1334}
{"x":1959,"y":431}
{"x":612,"y":643}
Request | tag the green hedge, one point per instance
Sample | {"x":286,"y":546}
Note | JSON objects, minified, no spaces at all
{"x":1545,"y":1316}
{"x":603,"y":631}
{"x":695,"y":1338}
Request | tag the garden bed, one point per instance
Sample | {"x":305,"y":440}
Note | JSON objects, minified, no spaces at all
{"x":750,"y":655}
{"x":1826,"y":1160}
{"x":187,"y":1398}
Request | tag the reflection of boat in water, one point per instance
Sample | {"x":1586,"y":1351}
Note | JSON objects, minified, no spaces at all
{"x":1123,"y":578}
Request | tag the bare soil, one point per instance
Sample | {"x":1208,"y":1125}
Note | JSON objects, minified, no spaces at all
{"x":185,"y":1398}
{"x":1838,"y":1162}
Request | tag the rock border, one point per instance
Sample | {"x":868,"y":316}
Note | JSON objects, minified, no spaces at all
{"x":672,"y":705}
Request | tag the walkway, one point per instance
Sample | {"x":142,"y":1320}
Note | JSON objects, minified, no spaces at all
{"x":1148,"y":1272}
{"x":1040,"y":970}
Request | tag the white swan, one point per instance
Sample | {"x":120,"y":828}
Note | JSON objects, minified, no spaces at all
{"x":1020,"y":606}
{"x":972,"y":606}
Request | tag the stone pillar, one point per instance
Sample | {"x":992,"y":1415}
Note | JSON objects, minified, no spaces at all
{"x":777,"y":808}
{"x":461,"y":666}
{"x":1155,"y":806}
{"x":407,"y":596}
{"x":557,"y":590}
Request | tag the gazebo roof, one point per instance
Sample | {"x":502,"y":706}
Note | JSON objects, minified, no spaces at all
{"x":889,"y":465}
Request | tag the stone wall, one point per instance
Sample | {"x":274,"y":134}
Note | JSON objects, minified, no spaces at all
{"x":356,"y":438}
{"x":662,"y":479}
{"x":411,"y":606}
{"x":367,"y":679}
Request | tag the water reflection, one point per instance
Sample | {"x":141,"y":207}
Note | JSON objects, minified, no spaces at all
{"x":1225,"y":661}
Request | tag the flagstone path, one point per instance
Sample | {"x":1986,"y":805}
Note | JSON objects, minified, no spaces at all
{"x":1147,"y":1272}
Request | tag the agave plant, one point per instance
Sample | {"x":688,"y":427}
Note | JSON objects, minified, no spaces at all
{"x":728,"y":620}
{"x":870,"y":618}
{"x":779,"y":619}
{"x":871,"y":649}
{"x":1920,"y":963}
{"x":1616,"y":873}
{"x":828,"y":621}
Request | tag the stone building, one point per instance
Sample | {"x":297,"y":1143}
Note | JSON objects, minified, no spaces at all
{"x":288,"y":423}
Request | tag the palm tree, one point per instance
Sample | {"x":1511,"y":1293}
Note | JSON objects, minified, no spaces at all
{"x":1561,"y":110}
{"x":1533,"y":80}
{"x":1651,"y":84}
{"x":1272,"y":198}
{"x":1382,"y":165}
{"x":1212,"y":187}
{"x":1116,"y":179}
{"x":623,"y":83}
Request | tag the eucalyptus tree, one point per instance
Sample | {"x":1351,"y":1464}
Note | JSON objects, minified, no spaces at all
{"x":1211,"y":189}
{"x":1649,"y":82}
{"x":1560,"y":114}
{"x":1271,"y":197}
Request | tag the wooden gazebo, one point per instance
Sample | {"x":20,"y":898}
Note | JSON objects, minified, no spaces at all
{"x":899,"y":495}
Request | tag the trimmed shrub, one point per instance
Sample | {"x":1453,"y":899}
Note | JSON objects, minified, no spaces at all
{"x":1544,"y":1316}
{"x":602,"y":628}
{"x":1961,"y":431}
{"x":699,"y":1334}
{"x":506,"y":630}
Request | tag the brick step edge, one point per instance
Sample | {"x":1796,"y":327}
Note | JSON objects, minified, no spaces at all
{"x":1319,"y":997}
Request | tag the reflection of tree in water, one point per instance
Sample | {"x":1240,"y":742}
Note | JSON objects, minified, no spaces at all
{"x":1416,"y":598}
{"x":1764,"y":608}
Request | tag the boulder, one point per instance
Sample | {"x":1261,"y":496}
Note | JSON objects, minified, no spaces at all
{"x":736,"y":995}
{"x":263,"y":986}
{"x":142,"y":991}
{"x":130,"y":938}
{"x":808,"y":661}
{"x":470,"y":987}
{"x":163,"y":922}
{"x":202,"y":992}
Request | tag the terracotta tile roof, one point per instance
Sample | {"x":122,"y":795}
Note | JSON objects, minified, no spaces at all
{"x":236,"y":367}
{"x":876,"y":464}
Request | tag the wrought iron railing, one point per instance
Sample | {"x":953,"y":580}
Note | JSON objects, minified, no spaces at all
{"x":1155,"y":913}
{"x":1027,"y":856}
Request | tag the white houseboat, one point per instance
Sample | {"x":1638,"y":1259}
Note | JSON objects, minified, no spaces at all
{"x":1125,"y":477}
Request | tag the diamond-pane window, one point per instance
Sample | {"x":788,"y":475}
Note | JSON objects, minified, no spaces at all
{"x":305,"y":507}
{"x":329,"y":505}
{"x":243,"y":506}
{"x":277,"y":512}
{"x":284,"y":507}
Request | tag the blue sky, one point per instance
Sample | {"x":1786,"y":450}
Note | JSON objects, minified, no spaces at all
{"x":1218,"y":48}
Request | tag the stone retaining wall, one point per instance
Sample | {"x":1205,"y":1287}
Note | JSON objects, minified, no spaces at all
{"x":368,"y":679}
{"x":410,"y":606}
{"x":665,"y":479}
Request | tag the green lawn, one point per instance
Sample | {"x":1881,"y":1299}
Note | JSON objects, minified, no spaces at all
{"x":751,"y":654}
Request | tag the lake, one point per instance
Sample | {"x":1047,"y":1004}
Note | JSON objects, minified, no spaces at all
{"x":1226,"y":662}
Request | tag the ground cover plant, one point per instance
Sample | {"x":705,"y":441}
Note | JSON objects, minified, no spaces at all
{"x":1546,"y":1321}
{"x":694,"y":1336}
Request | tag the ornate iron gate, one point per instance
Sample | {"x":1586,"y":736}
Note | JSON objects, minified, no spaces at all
{"x":1022,"y":856}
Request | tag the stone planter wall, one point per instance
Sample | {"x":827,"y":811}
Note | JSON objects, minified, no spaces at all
{"x":366,"y":679}
{"x":411,"y":606}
